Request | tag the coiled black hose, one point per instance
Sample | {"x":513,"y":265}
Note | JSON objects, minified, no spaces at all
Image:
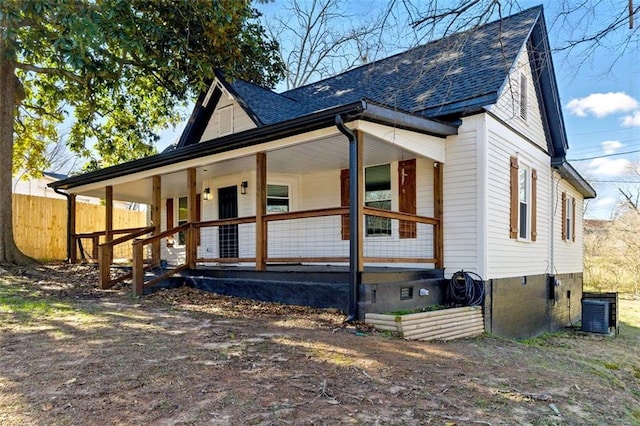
{"x":466,"y":288}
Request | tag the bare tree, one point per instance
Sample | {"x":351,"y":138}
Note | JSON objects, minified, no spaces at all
{"x":583,"y":26}
{"x":320,"y":39}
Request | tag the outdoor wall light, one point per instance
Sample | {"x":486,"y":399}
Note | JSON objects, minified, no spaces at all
{"x":206,"y":194}
{"x":243,"y":187}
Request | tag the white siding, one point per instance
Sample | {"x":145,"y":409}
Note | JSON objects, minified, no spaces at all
{"x":509,"y":257}
{"x":508,"y":106}
{"x":461,"y":199}
{"x":568,"y":255}
{"x":311,"y":237}
{"x":241,"y":121}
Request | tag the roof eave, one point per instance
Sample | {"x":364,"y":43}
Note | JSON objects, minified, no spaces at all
{"x":568,"y":172}
{"x":325,"y":118}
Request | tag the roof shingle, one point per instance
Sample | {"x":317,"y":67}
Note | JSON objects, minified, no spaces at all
{"x":456,"y":74}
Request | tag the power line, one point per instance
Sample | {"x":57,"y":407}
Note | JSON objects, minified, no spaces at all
{"x":605,"y":155}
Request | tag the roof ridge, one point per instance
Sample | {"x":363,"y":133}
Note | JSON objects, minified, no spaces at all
{"x":265,"y":89}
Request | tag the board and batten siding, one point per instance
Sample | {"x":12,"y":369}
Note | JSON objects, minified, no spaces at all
{"x":568,"y":255}
{"x":507,"y":108}
{"x":509,"y":257}
{"x":460,"y":192}
{"x":241,"y":121}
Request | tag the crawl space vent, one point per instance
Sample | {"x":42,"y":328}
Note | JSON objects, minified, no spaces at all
{"x":595,"y":316}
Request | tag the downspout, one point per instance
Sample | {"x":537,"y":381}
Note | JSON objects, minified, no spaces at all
{"x":354,"y":275}
{"x":68,"y":197}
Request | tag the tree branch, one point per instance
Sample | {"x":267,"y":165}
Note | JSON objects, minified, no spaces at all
{"x":50,"y":71}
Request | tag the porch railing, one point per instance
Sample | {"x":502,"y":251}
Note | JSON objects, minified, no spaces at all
{"x":86,"y":244}
{"x":116,"y":256}
{"x":310,"y":236}
{"x":157,"y":272}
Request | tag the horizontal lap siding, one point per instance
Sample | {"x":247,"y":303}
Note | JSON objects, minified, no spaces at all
{"x":460,"y":199}
{"x":241,"y":121}
{"x":510,"y":257}
{"x":507,"y":108}
{"x":568,"y":255}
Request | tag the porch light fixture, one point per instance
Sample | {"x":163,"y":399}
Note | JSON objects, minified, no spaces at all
{"x":243,"y":187}
{"x":206,"y":194}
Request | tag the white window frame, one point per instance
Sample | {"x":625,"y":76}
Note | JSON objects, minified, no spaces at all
{"x":570,"y":215}
{"x":390,"y":200}
{"x":524,"y":200}
{"x":182,"y":236}
{"x":274,"y":197}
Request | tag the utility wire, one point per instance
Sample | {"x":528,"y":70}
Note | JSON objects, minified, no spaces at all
{"x":605,"y":155}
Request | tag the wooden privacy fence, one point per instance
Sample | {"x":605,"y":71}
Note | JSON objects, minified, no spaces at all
{"x":40,"y":224}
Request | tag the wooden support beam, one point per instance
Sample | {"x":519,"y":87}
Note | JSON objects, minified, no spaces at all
{"x":108,"y":223}
{"x":192,"y":248}
{"x":73,"y":250}
{"x":138,"y":269}
{"x":261,"y":211}
{"x":104,"y":264}
{"x":438,"y":213}
{"x":155,"y":219}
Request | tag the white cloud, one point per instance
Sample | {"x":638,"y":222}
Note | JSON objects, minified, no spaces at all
{"x":604,"y":202}
{"x":608,"y":167}
{"x":602,"y":104}
{"x":610,"y":147}
{"x":632,"y":120}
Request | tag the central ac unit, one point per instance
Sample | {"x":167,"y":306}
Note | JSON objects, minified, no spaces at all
{"x":595,"y":316}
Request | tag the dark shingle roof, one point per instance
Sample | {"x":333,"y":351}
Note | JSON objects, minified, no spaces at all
{"x":457,"y":74}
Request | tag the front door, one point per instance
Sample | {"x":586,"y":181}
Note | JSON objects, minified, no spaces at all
{"x":228,"y":209}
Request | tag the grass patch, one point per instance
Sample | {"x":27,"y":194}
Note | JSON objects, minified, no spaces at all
{"x":429,"y":308}
{"x":17,"y":300}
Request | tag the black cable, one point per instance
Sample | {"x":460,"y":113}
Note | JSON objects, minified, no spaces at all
{"x":466,"y":288}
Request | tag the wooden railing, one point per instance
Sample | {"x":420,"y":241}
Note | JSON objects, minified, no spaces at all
{"x":194,"y":232}
{"x":139,"y":265}
{"x":92,"y":256}
{"x":105,"y":256}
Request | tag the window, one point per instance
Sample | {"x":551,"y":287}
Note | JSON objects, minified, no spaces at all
{"x":523,"y":203}
{"x":523,"y":215}
{"x":523,"y":96}
{"x":277,"y":198}
{"x":377,"y":181}
{"x":568,"y":217}
{"x":182,"y":219}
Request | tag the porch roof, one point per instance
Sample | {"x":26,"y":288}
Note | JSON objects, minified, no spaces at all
{"x":313,"y":125}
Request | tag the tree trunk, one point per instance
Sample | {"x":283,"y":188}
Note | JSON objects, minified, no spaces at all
{"x":9,"y":252}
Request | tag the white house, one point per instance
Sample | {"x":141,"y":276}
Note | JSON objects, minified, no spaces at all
{"x":450,"y":156}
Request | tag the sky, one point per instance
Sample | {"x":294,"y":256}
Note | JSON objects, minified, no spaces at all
{"x":599,"y":91}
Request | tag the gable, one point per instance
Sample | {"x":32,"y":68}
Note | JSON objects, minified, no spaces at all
{"x":228,"y":117}
{"x":522,"y":113}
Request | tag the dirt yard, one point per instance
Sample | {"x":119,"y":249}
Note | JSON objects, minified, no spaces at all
{"x":73,"y":354}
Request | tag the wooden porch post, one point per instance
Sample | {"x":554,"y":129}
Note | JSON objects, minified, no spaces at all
{"x":192,"y":248}
{"x":438,"y":213}
{"x":108,"y":223}
{"x":155,"y":220}
{"x":261,"y":211}
{"x":73,"y":251}
{"x":106,"y":255}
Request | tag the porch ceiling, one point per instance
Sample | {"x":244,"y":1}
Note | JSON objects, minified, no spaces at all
{"x":327,"y":152}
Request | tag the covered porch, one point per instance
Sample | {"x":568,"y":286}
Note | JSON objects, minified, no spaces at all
{"x":366,"y":197}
